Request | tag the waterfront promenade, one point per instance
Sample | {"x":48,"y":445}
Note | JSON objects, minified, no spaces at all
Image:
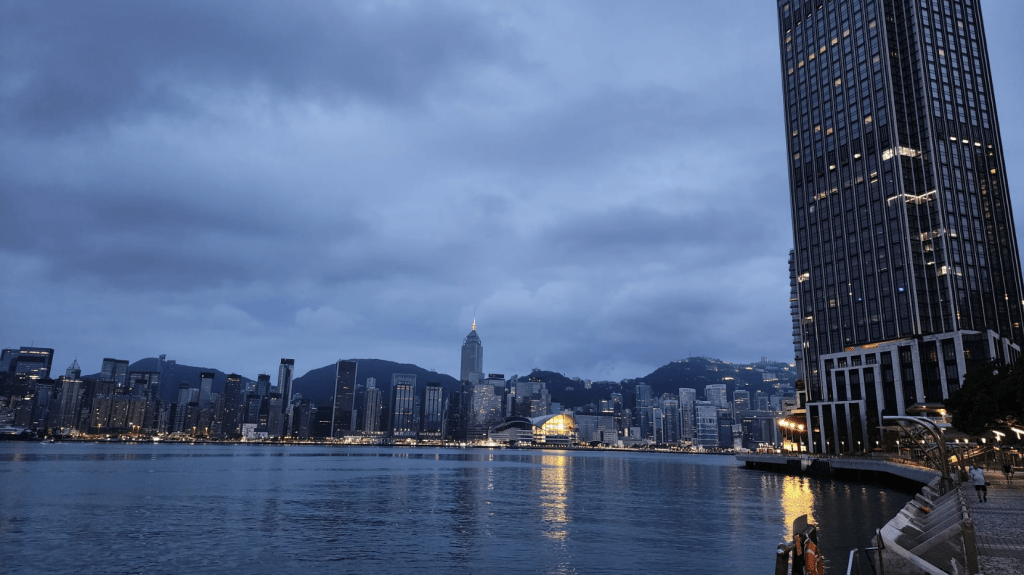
{"x":999,"y":525}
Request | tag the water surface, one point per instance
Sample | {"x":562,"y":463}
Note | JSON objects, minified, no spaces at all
{"x":85,"y":508}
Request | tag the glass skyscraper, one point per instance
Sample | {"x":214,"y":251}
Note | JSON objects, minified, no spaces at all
{"x":472,"y":356}
{"x":905,"y":261}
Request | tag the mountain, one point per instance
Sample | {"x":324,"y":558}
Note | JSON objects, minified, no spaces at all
{"x":318,"y":384}
{"x":694,"y":372}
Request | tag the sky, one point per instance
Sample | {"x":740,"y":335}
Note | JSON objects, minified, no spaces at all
{"x":602,"y":185}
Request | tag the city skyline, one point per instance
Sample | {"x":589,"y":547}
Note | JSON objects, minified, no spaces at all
{"x":232,"y":206}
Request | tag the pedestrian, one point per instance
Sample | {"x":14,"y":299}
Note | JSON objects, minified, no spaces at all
{"x":1008,"y":472}
{"x":978,"y":475}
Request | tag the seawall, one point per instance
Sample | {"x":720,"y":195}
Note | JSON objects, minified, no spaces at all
{"x":902,"y":476}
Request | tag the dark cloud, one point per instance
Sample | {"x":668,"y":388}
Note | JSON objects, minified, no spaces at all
{"x":112,"y":62}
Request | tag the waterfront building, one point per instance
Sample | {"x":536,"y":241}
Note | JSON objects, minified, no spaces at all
{"x":472,"y":356}
{"x":643,"y":412}
{"x":403,"y":405}
{"x":905,"y":262}
{"x":687,"y":398}
{"x":115,"y":370}
{"x":670,"y":416}
{"x":232,"y":406}
{"x":432,"y":416}
{"x":304,"y":419}
{"x":285,"y":377}
{"x":69,"y":401}
{"x":706,"y":420}
{"x":484,"y":410}
{"x":372,"y":405}
{"x":344,"y":395}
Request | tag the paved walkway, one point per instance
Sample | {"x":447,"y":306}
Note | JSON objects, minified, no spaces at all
{"x":999,"y":524}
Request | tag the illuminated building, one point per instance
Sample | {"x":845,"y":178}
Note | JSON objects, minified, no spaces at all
{"x":484,"y":411}
{"x":33,"y":362}
{"x":716,"y":394}
{"x":472,"y":356}
{"x":905,"y":262}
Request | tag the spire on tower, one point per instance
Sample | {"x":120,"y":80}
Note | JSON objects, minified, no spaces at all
{"x":474,"y":324}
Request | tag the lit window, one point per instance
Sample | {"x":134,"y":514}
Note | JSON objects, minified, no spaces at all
{"x":867,"y":119}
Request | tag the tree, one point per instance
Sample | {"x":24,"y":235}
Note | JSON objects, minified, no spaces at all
{"x":992,"y":397}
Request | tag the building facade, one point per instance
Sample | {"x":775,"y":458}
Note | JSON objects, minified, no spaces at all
{"x":905,"y":263}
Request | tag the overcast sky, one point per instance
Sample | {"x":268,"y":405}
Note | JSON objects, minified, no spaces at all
{"x":602,"y":183}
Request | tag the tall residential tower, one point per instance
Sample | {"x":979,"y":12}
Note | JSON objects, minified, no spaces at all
{"x":905,"y":258}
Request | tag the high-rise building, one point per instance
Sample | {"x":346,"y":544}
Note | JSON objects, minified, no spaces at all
{"x":717,"y":394}
{"x":231,"y":417}
{"x":285,"y":375}
{"x":403,"y":405}
{"x":687,"y":398}
{"x":33,"y":362}
{"x":372,"y":405}
{"x":115,"y":370}
{"x":344,"y":395}
{"x":432,"y":418}
{"x":644,"y":407}
{"x":905,"y":260}
{"x":705,"y":424}
{"x":206,"y":389}
{"x":472,"y":356}
{"x":262,"y":385}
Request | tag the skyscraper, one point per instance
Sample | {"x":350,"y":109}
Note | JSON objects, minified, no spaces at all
{"x":432,"y":413}
{"x":403,"y":405}
{"x":472,"y":356}
{"x":232,"y":405}
{"x":115,"y":370}
{"x":905,"y":259}
{"x":206,"y":389}
{"x":285,"y":374}
{"x":344,"y":395}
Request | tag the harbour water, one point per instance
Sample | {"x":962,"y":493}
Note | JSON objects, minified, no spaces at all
{"x":114,"y":508}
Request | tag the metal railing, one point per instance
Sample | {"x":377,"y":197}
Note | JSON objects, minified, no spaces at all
{"x":877,"y":566}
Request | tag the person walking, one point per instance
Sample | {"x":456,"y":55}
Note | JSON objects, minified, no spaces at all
{"x":978,"y":475}
{"x":1008,"y":472}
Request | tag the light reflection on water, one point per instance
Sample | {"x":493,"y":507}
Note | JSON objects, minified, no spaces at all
{"x":73,"y":508}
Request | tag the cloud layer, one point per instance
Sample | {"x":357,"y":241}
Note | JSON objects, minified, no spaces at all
{"x":230,"y":183}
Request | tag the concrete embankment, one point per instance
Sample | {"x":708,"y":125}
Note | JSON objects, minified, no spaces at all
{"x":864,"y":469}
